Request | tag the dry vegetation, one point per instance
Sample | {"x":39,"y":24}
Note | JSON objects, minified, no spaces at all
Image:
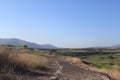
{"x":74,"y":60}
{"x":113,"y":73}
{"x":15,"y":61}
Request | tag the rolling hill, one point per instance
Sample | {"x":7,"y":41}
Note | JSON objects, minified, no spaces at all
{"x":19,"y":42}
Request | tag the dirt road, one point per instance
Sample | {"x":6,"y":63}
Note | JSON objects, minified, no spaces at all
{"x":67,"y":71}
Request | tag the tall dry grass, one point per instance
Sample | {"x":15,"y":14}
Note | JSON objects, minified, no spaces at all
{"x":16,"y":62}
{"x":11,"y":59}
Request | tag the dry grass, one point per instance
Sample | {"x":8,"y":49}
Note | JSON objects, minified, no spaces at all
{"x":15,"y":63}
{"x":11,"y":58}
{"x":74,"y":60}
{"x":113,"y":73}
{"x":21,"y":61}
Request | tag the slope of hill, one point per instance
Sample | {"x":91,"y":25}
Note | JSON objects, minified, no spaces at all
{"x":19,"y":42}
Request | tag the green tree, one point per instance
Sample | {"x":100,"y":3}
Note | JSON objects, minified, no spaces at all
{"x":25,"y":46}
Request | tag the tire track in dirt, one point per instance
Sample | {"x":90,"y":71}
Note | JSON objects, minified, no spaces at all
{"x":58,"y":72}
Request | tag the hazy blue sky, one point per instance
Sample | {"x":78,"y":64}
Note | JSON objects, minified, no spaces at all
{"x":64,"y":23}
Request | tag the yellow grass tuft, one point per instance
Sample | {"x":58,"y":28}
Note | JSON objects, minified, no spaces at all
{"x":74,"y":60}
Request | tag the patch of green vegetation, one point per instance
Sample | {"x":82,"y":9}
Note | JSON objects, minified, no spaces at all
{"x":99,"y":62}
{"x":101,"y":58}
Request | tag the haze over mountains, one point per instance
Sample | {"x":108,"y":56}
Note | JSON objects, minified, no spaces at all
{"x":116,"y":46}
{"x":19,"y":42}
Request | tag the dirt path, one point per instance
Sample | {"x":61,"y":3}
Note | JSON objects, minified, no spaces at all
{"x":67,"y":71}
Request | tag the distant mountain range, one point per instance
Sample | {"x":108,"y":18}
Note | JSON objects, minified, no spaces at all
{"x":116,"y":46}
{"x":19,"y":42}
{"x":110,"y":47}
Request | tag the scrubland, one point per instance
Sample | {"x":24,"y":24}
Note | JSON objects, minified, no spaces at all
{"x":18,"y":61}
